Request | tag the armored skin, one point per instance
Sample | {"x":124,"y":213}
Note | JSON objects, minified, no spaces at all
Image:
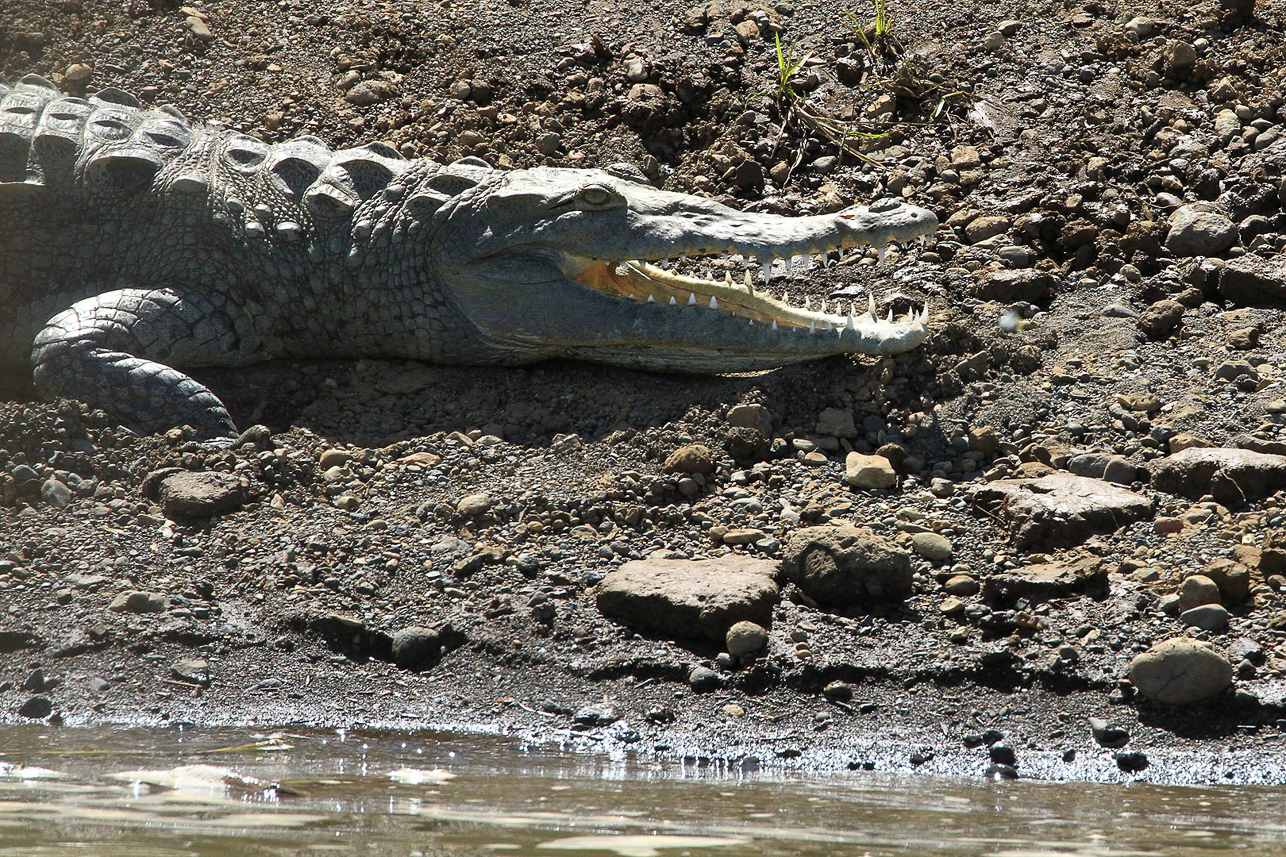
{"x":135,"y":244}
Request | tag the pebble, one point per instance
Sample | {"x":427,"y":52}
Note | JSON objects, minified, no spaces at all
{"x":962,"y":585}
{"x":704,"y":679}
{"x":1108,"y":735}
{"x":840,"y":691}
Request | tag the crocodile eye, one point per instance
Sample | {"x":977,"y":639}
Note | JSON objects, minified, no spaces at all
{"x":596,"y":195}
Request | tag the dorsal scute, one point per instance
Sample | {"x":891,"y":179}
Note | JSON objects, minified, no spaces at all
{"x":242,"y":152}
{"x":127,"y":169}
{"x":294,"y":165}
{"x":59,"y":131}
{"x":37,"y":83}
{"x":352,"y":177}
{"x":117,"y":97}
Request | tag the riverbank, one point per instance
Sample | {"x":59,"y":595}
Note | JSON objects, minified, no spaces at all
{"x":431,"y":545}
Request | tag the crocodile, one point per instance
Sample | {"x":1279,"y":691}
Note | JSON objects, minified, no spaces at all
{"x":135,"y":245}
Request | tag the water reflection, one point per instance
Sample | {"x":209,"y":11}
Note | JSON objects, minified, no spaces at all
{"x":232,"y":792}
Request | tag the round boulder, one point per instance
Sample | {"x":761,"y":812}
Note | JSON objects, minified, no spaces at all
{"x":746,"y":638}
{"x":1180,"y":671}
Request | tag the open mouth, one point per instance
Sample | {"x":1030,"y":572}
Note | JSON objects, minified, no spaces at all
{"x":736,"y":296}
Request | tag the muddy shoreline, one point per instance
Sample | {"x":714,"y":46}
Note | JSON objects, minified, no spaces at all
{"x":422,"y":546}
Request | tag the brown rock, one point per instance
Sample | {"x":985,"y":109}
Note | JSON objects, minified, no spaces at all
{"x":1060,"y":508}
{"x":693,"y":458}
{"x":200,"y":495}
{"x":1010,"y":286}
{"x":1159,"y":320}
{"x":1232,"y":578}
{"x":844,"y":566}
{"x":1244,"y":339}
{"x":687,"y":598}
{"x":869,"y":471}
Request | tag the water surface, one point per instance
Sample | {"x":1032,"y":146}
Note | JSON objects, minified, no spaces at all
{"x":119,"y":791}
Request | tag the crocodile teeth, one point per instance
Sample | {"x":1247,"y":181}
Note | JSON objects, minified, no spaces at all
{"x":692,"y":299}
{"x":714,"y":304}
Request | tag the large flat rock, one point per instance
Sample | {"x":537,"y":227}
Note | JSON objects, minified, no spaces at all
{"x":689,"y":598}
{"x":1232,"y":476}
{"x":1061,"y":509}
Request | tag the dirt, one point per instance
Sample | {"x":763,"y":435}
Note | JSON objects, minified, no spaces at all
{"x":1053,"y":141}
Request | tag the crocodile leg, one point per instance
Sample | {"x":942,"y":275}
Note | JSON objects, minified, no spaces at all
{"x":118,"y":351}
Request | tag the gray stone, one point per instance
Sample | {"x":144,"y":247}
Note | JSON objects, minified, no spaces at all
{"x":366,"y":93}
{"x":931,"y":546}
{"x":135,"y":601}
{"x":1207,"y":617}
{"x":836,"y":422}
{"x":200,"y":495}
{"x":1197,"y":231}
{"x":843,"y":566}
{"x":704,"y":679}
{"x":1048,"y":580}
{"x":191,"y":671}
{"x":1232,"y":476}
{"x":1252,"y":280}
{"x":1061,"y":508}
{"x":1180,"y":671}
{"x":1102,"y":465}
{"x":36,"y":708}
{"x":55,"y":493}
{"x":599,"y":714}
{"x":869,"y":471}
{"x":689,"y":598}
{"x":746,"y":638}
{"x":416,"y":648}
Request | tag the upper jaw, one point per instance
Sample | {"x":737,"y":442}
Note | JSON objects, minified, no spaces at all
{"x":638,"y":275}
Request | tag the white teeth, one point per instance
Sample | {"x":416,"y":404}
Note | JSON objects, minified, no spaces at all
{"x":774,"y":324}
{"x":879,"y":258}
{"x":673,"y":302}
{"x":890,"y":318}
{"x":692,"y":299}
{"x":790,"y":266}
{"x":785,"y":297}
{"x":651,"y":299}
{"x":812,"y":326}
{"x":870,"y":296}
{"x":714,"y":304}
{"x":750,"y":287}
{"x":684,"y":257}
{"x":808,"y":304}
{"x":727,"y":278}
{"x":851,"y":323}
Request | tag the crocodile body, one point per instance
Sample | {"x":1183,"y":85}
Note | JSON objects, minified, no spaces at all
{"x":134,"y":245}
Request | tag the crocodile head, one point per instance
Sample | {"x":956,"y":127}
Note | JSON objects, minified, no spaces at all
{"x":553,"y":261}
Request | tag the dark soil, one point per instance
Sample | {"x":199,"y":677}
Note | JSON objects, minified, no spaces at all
{"x":1051,"y":139}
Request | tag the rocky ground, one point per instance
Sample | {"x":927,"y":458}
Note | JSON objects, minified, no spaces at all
{"x":1050,"y":542}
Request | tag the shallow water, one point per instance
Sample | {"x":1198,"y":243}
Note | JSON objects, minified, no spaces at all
{"x":237,"y":792}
